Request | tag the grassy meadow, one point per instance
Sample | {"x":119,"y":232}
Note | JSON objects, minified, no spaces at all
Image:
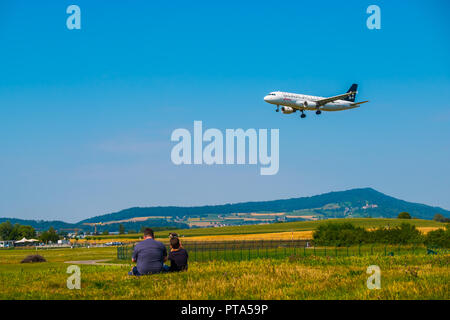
{"x":409,"y":276}
{"x":260,"y":273}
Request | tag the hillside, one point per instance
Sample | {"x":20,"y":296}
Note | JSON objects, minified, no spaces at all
{"x":355,"y":203}
{"x":42,"y":224}
{"x":339,"y":204}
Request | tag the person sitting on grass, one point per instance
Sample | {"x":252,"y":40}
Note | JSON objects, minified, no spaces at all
{"x":178,"y":256}
{"x":149,"y":255}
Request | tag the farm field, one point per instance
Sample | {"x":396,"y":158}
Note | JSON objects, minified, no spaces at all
{"x":297,"y":235}
{"x":297,"y":230}
{"x":406,"y":276}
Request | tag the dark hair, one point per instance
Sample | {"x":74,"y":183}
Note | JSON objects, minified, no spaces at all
{"x":173,"y":235}
{"x":175,"y":242}
{"x":148,"y":232}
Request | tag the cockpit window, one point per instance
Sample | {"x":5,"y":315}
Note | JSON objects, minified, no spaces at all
{"x":272,"y":94}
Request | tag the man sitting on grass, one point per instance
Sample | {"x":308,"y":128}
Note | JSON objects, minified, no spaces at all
{"x":149,"y":255}
{"x":178,"y":256}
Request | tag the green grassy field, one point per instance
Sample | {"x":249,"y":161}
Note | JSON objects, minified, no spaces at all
{"x":283,"y":227}
{"x":312,"y":277}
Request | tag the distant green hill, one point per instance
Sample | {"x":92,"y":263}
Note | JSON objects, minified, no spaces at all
{"x":355,"y":203}
{"x":340,"y":204}
{"x":42,"y":224}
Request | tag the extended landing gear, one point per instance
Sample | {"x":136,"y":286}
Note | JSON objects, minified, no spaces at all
{"x":318,"y":112}
{"x":303,"y":115}
{"x":278,"y":109}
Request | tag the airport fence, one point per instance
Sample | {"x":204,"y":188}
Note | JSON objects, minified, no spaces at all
{"x":252,"y":249}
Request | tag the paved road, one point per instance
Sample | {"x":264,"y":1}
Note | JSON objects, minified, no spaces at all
{"x":96,"y":262}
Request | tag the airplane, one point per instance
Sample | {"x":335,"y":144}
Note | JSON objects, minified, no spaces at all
{"x":291,"y":102}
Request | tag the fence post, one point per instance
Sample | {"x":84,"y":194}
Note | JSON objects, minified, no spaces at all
{"x":257,"y":249}
{"x":262,"y":247}
{"x":204,"y":248}
{"x":209,"y":251}
{"x":325,"y":252}
{"x":242,"y":256}
{"x":335,"y":251}
{"x":202,"y":251}
{"x":314,"y":249}
{"x":217,"y":250}
{"x":232,"y":250}
{"x":195,"y":251}
{"x":225,"y":251}
{"x":359,"y":249}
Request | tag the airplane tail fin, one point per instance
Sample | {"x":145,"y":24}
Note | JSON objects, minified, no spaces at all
{"x":353,"y":89}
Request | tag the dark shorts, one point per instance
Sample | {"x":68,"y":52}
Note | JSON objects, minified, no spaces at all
{"x":135,"y":272}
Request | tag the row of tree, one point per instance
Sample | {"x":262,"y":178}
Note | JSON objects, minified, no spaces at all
{"x":440,"y":218}
{"x":346,"y":234}
{"x":143,"y":227}
{"x":8,"y":231}
{"x":437,"y":217}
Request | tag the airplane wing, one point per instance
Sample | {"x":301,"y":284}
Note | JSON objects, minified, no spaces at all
{"x":321,"y":102}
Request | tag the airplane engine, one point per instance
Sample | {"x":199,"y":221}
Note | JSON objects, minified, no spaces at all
{"x":310,"y":104}
{"x":287,"y":110}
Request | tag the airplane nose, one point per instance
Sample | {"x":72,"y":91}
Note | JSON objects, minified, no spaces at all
{"x":266,"y":98}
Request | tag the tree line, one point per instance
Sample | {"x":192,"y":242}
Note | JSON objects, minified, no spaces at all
{"x":9,"y":231}
{"x":346,"y":234}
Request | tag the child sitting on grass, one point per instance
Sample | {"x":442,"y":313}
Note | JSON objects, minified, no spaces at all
{"x":178,"y":256}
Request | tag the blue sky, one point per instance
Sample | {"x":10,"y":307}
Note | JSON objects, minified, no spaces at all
{"x":86,"y":115}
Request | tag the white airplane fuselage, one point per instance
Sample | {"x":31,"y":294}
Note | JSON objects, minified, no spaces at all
{"x":295,"y":101}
